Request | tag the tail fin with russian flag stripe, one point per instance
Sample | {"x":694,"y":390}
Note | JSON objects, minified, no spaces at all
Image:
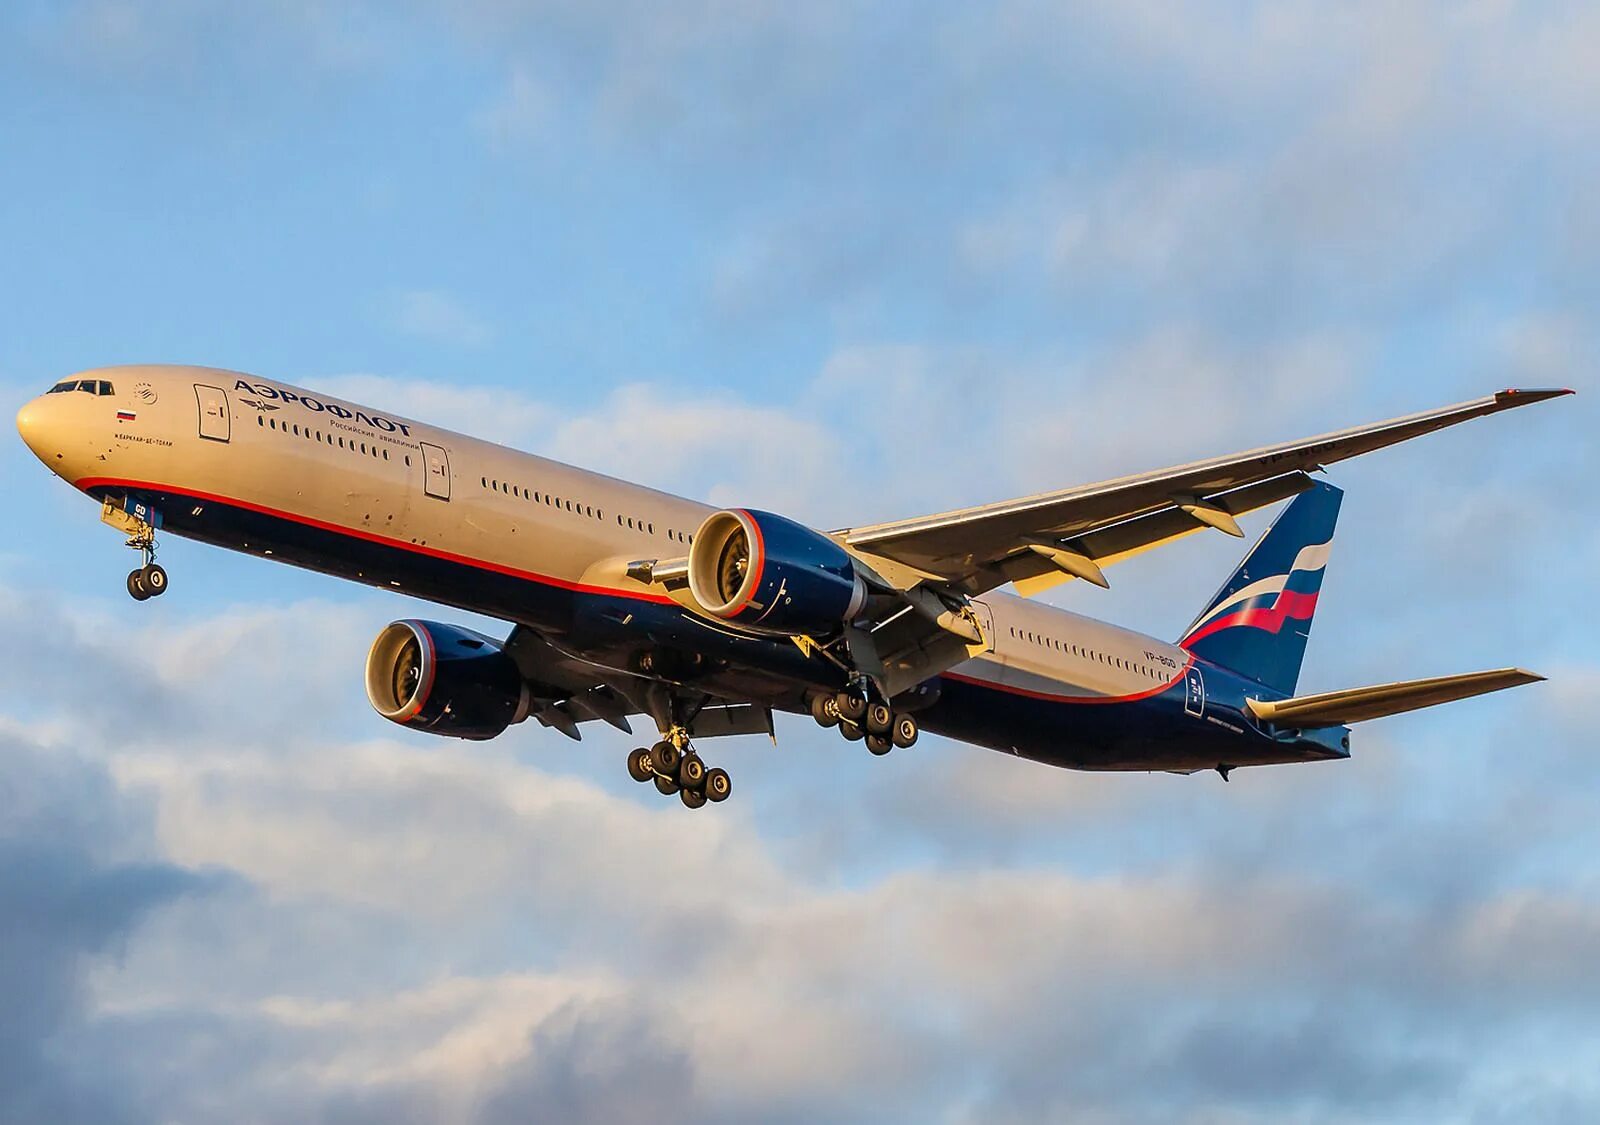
{"x":1258,"y":623}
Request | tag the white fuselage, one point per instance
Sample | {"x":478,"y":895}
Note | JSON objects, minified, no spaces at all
{"x":212,"y":436}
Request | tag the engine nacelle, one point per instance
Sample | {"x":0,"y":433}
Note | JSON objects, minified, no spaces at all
{"x":445,"y":680}
{"x":767,"y":572}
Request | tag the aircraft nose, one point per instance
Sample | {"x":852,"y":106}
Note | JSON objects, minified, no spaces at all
{"x":29,"y":421}
{"x":34,"y":424}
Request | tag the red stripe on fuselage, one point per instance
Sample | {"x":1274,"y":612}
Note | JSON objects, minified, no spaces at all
{"x":1288,"y":607}
{"x":356,"y":533}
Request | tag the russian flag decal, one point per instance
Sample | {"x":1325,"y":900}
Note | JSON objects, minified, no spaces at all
{"x":126,"y":416}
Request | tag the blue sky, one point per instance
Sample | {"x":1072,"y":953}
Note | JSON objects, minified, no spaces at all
{"x":851,"y":262}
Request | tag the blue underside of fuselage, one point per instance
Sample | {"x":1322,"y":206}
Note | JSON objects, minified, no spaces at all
{"x":1157,"y":732}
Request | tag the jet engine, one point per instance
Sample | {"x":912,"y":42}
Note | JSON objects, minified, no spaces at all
{"x":763,"y":571}
{"x":445,"y":680}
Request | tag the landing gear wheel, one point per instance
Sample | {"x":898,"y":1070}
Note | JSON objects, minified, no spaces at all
{"x":880,"y":718}
{"x":154,"y":579}
{"x":666,"y":786}
{"x":825,"y":709}
{"x":880,"y":744}
{"x":136,"y":587}
{"x":691,"y":798}
{"x":718,"y":784}
{"x":640,"y":766}
{"x":666,"y":757}
{"x":850,"y":706}
{"x":852,"y":732}
{"x":905,"y":731}
{"x":691,"y":771}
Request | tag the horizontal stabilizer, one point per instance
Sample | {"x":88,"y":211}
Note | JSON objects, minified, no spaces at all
{"x":1355,"y":705}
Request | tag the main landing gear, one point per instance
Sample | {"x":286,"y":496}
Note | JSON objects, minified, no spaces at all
{"x":675,"y":768}
{"x":879,"y":725}
{"x":149,"y":580}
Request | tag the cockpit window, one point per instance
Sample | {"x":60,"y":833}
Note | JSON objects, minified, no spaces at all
{"x":97,"y":387}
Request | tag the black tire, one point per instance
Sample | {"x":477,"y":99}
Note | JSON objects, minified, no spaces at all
{"x":880,"y":744}
{"x":691,"y":771}
{"x":691,"y":798}
{"x":136,"y":587}
{"x":879,"y":718}
{"x":666,"y":758}
{"x":640,"y":767}
{"x":825,"y":709}
{"x":666,"y":786}
{"x":718,"y":784}
{"x":851,"y":707}
{"x":155,"y":580}
{"x":852,"y":732}
{"x":905,"y":731}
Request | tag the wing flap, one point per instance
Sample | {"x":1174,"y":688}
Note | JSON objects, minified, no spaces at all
{"x":1034,"y":574}
{"x":1356,"y":705}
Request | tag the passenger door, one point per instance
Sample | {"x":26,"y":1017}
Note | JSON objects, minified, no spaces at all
{"x":215,"y":423}
{"x":435,"y":472}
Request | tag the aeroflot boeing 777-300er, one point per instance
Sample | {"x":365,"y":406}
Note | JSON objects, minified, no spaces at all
{"x":625,"y":601}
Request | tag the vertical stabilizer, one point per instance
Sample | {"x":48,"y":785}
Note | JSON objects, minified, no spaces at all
{"x":1258,"y":623}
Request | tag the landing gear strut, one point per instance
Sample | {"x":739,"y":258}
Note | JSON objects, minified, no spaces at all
{"x":675,"y":768}
{"x":880,"y":725}
{"x":149,"y":580}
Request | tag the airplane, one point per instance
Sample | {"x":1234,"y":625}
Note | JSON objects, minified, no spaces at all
{"x":626,"y":601}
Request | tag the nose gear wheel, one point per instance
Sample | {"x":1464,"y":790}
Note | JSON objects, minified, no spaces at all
{"x":149,"y":580}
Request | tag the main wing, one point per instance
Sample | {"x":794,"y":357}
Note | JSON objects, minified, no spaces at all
{"x":1073,"y":533}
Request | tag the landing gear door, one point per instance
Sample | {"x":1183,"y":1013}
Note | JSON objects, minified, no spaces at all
{"x":1194,"y":696}
{"x":215,"y":423}
{"x":435,"y":472}
{"x":985,"y":617}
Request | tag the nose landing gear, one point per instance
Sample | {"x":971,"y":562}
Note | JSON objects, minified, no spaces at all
{"x":675,"y":768}
{"x":138,"y":520}
{"x":149,"y":580}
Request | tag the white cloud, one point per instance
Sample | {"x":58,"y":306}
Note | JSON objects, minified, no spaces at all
{"x":436,"y":315}
{"x":494,"y":413}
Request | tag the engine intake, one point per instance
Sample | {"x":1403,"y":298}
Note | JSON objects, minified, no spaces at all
{"x":767,"y":572}
{"x":445,"y":680}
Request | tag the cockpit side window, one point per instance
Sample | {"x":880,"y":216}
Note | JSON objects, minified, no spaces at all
{"x":63,"y":388}
{"x":105,"y":388}
{"x":89,"y":385}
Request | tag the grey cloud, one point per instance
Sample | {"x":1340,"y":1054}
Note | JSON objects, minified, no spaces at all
{"x":1197,"y":981}
{"x":605,"y":1062}
{"x":67,"y":901}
